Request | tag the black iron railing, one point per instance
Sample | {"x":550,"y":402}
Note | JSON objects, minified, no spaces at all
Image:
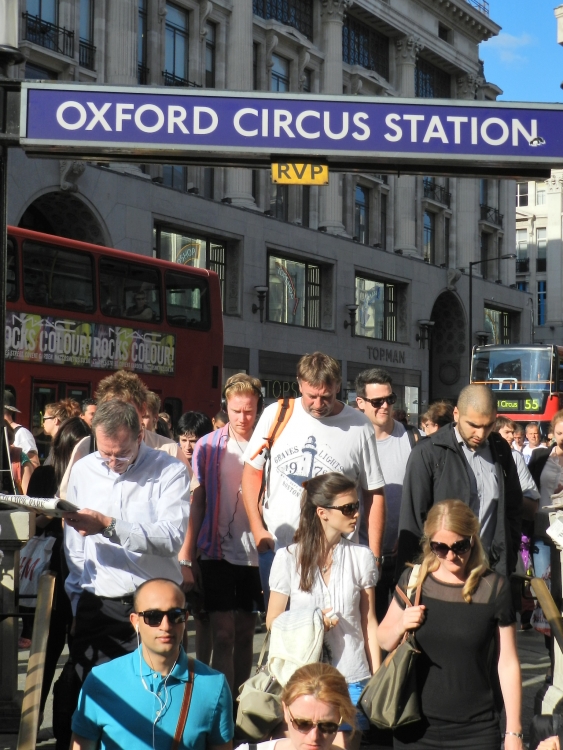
{"x":492,"y":215}
{"x":437,"y":193}
{"x":296,"y":13}
{"x":481,"y":5}
{"x":48,"y":35}
{"x":87,"y":53}
{"x":522,"y":265}
{"x":142,"y":74}
{"x":173,"y":80}
{"x":363,"y":45}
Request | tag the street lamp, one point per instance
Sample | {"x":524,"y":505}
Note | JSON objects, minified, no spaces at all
{"x":507,"y":256}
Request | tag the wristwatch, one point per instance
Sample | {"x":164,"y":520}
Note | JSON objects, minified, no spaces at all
{"x":185,"y":563}
{"x":379,"y":559}
{"x":109,"y":531}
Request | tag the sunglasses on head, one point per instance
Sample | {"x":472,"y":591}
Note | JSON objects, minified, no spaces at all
{"x":377,"y":403}
{"x":305,"y":725}
{"x":458,"y":548}
{"x":348,"y":510}
{"x":153,"y":617}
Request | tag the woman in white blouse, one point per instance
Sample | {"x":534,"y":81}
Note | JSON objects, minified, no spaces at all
{"x":324,"y":569}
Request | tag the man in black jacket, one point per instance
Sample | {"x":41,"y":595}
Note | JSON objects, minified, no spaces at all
{"x":465,"y":461}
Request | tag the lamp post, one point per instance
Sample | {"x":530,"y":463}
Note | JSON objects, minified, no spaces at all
{"x":507,"y":256}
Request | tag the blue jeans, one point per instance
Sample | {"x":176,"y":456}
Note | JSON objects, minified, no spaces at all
{"x":362,"y":723}
{"x":265,"y":560}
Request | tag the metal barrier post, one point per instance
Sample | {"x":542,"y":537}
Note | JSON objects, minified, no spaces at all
{"x":27,"y":738}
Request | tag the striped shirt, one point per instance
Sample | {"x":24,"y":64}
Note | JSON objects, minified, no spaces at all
{"x":206,"y":462}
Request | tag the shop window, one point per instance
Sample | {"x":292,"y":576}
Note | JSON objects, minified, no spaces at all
{"x":377,"y":309}
{"x":498,"y":326}
{"x":294,"y":296}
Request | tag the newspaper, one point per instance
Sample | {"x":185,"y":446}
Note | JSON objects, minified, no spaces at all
{"x":48,"y":506}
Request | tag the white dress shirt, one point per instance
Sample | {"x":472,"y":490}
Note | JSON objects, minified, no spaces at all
{"x":150,"y":502}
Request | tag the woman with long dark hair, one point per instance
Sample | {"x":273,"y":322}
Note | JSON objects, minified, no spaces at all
{"x":324,"y":569}
{"x":465,"y":611}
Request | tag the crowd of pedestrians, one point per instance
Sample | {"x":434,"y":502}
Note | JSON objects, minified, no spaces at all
{"x":307,"y":503}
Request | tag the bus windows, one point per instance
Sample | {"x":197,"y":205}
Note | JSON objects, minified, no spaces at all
{"x":187,"y":300}
{"x":513,"y":368}
{"x":12,"y":273}
{"x":129,"y":290}
{"x":57,"y":277}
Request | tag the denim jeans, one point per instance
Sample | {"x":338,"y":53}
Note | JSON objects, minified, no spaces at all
{"x":265,"y":560}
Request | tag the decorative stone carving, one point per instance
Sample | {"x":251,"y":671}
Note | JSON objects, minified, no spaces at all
{"x":408,"y":48}
{"x":70,"y":172}
{"x":334,"y":9}
{"x":161,"y":11}
{"x":302,"y":63}
{"x":467,"y":86}
{"x":555,"y":183}
{"x":205,"y":12}
{"x":271,"y":44}
{"x":453,"y":275}
{"x":356,"y":84}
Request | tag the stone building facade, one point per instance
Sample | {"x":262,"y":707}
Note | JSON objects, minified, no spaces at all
{"x":398,"y":247}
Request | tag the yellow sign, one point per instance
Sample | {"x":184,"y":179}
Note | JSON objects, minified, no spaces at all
{"x":291,"y":173}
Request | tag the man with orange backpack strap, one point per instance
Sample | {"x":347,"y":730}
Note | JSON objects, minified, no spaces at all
{"x":314,"y":435}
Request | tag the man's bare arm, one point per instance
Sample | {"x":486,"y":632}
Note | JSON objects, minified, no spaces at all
{"x":374,"y":508}
{"x":82,"y":743}
{"x":250,"y":485}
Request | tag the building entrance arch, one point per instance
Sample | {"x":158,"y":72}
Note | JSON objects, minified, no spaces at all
{"x":65,"y":215}
{"x":448,"y":358}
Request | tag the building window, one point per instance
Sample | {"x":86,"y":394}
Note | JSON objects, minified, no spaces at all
{"x":447,"y":241}
{"x":209,"y":182}
{"x":542,"y":303}
{"x":361,"y":214}
{"x":255,"y":53}
{"x":444,"y":33}
{"x":541,"y":245}
{"x":429,"y":237}
{"x":40,"y":27}
{"x":197,"y":252}
{"x":306,"y":206}
{"x":363,"y":45}
{"x":46,"y":10}
{"x":296,"y":13}
{"x":522,"y":286}
{"x":521,"y":194}
{"x":484,"y":192}
{"x":484,"y":254}
{"x":38,"y":73}
{"x":294,"y":294}
{"x":431,"y":82}
{"x":306,"y":82}
{"x":142,"y":70}
{"x":383,"y":220}
{"x":377,"y":309}
{"x":540,"y":197}
{"x":497,"y":325}
{"x":522,"y":260}
{"x":174,"y":176}
{"x":210,"y":55}
{"x":278,"y":201}
{"x":176,"y":47}
{"x":86,"y":30}
{"x":280,"y":74}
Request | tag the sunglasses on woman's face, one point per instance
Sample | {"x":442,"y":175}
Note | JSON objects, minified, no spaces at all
{"x":153,"y":617}
{"x":348,"y":510}
{"x":458,"y":548}
{"x":305,"y":725}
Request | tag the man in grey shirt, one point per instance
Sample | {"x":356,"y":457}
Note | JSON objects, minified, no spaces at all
{"x":375,"y":397}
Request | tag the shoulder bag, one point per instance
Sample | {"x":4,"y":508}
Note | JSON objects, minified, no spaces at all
{"x":259,"y":702}
{"x":185,"y":707}
{"x":390,"y":699}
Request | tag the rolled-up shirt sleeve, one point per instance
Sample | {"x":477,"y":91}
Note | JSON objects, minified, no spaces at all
{"x":74,"y":553}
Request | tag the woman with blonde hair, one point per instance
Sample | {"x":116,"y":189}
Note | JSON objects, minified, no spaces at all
{"x":466,"y":610}
{"x":315,"y":703}
{"x":324,"y":569}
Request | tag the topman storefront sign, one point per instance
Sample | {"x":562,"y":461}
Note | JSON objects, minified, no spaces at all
{"x":233,"y":127}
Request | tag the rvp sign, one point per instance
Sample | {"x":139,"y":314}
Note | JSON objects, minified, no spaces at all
{"x":299,"y":173}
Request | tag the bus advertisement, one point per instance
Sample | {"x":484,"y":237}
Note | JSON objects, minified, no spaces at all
{"x":76,"y":312}
{"x":527,"y":380}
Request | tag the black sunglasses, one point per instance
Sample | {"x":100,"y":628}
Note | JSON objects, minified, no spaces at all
{"x":458,"y":548}
{"x":153,"y":617}
{"x":348,"y":510}
{"x":305,"y":725}
{"x":377,"y":403}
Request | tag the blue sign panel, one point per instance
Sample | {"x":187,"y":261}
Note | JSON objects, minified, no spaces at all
{"x":96,"y":119}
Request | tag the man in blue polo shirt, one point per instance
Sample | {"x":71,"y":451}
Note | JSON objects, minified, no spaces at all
{"x":134,"y":701}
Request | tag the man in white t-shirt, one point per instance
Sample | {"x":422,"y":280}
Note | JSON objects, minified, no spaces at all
{"x":227,"y":568}
{"x":23,"y":438}
{"x":533,"y":436}
{"x":322,"y":435}
{"x":375,"y":398}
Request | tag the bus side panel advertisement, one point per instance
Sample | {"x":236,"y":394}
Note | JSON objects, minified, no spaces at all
{"x":62,"y":341}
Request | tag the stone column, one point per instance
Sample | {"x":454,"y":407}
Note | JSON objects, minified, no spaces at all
{"x":238,"y":185}
{"x":121,"y":42}
{"x":405,"y":186}
{"x":332,"y":12}
{"x":554,"y":249}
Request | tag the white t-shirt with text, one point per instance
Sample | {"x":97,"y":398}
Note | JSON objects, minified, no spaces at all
{"x":393,"y":454}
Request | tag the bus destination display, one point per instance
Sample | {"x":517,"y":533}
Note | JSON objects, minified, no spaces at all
{"x":520,"y":404}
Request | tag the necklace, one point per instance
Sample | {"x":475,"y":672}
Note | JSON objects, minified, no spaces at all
{"x":232,"y":432}
{"x":328,"y":564}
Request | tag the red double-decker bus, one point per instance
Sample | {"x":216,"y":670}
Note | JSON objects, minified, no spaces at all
{"x":77,"y":311}
{"x":527,"y":379}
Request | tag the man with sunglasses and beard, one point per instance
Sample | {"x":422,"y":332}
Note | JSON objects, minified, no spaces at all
{"x":467,"y":461}
{"x":375,"y":398}
{"x":137,"y":699}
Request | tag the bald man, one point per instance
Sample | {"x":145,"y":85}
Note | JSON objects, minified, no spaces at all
{"x":466,"y":461}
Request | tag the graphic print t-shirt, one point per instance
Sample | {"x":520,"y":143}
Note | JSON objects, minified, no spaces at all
{"x":306,"y":448}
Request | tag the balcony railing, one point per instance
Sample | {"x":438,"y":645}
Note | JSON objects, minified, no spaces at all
{"x":87,"y":54}
{"x":522,"y":265}
{"x":173,"y":80}
{"x":142,"y":74}
{"x":296,"y":13}
{"x":492,"y":215}
{"x":437,"y":193}
{"x":48,"y":35}
{"x":481,"y":5}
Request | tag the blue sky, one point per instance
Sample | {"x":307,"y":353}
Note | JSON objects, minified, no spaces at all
{"x":524,"y":60}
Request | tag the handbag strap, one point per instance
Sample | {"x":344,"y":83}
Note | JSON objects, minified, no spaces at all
{"x":263,"y":651}
{"x":187,"y":699}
